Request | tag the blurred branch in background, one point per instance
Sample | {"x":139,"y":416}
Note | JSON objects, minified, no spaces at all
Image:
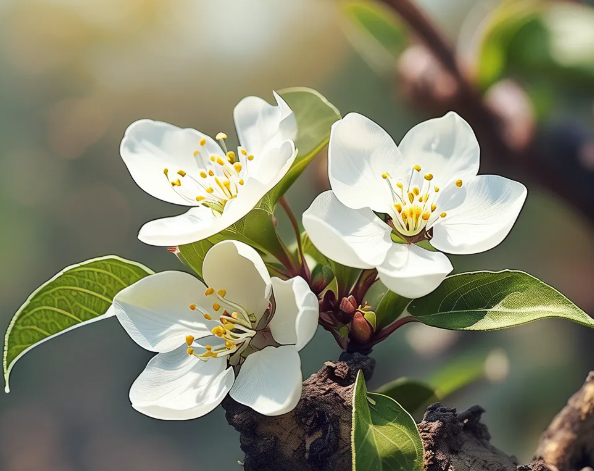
{"x":442,"y":84}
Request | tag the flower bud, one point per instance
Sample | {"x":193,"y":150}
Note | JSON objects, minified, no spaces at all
{"x":361,"y":330}
{"x":321,"y":276}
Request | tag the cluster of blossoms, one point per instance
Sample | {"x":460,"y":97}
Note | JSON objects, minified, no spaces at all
{"x":241,"y":332}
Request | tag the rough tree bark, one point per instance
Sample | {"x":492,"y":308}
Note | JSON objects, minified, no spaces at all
{"x":316,"y":435}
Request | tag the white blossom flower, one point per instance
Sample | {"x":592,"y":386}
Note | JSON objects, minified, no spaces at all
{"x":426,"y":189}
{"x":187,"y":167}
{"x":241,"y":335}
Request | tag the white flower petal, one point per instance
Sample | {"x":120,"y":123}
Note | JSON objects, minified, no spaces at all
{"x":270,"y":381}
{"x":261,"y":126}
{"x":487,"y":213}
{"x":297,"y":311}
{"x":238,"y":269}
{"x":445,"y":147}
{"x":269,"y":168}
{"x":149,"y":147}
{"x":177,"y":386}
{"x":155,"y":311}
{"x":360,"y":151}
{"x":412,"y":271}
{"x":200,"y":223}
{"x":354,"y":237}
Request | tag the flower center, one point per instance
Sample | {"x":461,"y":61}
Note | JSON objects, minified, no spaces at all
{"x":219,"y":178}
{"x":234,"y":328}
{"x":415,"y":202}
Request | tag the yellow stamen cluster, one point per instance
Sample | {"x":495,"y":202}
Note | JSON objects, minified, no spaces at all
{"x":235,"y":328}
{"x":219,"y":179}
{"x":415,"y":202}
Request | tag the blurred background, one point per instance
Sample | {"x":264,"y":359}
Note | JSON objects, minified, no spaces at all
{"x":74,"y":74}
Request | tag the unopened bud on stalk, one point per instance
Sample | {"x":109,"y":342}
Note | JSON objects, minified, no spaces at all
{"x":361,"y":329}
{"x":347,"y":307}
{"x":321,"y":276}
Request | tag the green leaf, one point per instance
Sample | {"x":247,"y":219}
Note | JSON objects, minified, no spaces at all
{"x":78,"y":295}
{"x":376,"y":32}
{"x":415,"y":394}
{"x":458,"y":374}
{"x":255,"y":229}
{"x":506,"y":20}
{"x":492,"y":301}
{"x":389,"y":308}
{"x":315,"y":116}
{"x":384,"y":436}
{"x":346,"y":277}
{"x":412,"y":394}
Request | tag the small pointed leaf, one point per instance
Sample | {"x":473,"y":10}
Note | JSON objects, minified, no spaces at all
{"x":385,"y":436}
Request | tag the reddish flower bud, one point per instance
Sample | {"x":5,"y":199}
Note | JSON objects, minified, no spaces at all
{"x":361,"y":330}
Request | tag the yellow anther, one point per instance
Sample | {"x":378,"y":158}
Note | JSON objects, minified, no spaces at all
{"x":221,"y":135}
{"x":229,"y":345}
{"x":411,"y":197}
{"x":237,"y":167}
{"x":426,"y":216}
{"x":444,"y":214}
{"x":417,"y":168}
{"x":385,"y":176}
{"x":211,"y":172}
{"x":222,"y":293}
{"x":234,"y":315}
{"x":398,"y":207}
{"x":176,"y":183}
{"x":208,"y":317}
{"x":208,"y":348}
{"x":165,"y":171}
{"x":216,"y":306}
{"x":436,"y":189}
{"x":399,"y":185}
{"x":428,"y":177}
{"x":227,"y":184}
{"x":404,"y":216}
{"x":241,"y":182}
{"x":189,"y":339}
{"x":418,"y":212}
{"x":218,"y":331}
{"x":433,"y":207}
{"x":250,"y":157}
{"x":209,"y":291}
{"x":196,"y":152}
{"x":220,"y":161}
{"x":458,"y":183}
{"x":193,"y":307}
{"x":203,"y":174}
{"x":190,"y":351}
{"x":243,"y":151}
{"x":181,"y":173}
{"x":200,"y":198}
{"x":209,"y":189}
{"x":231,"y":156}
{"x":416,"y":191}
{"x":202,"y":141}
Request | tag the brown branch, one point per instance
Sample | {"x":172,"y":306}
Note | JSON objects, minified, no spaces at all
{"x":522,"y":161}
{"x":316,"y":436}
{"x":568,"y":443}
